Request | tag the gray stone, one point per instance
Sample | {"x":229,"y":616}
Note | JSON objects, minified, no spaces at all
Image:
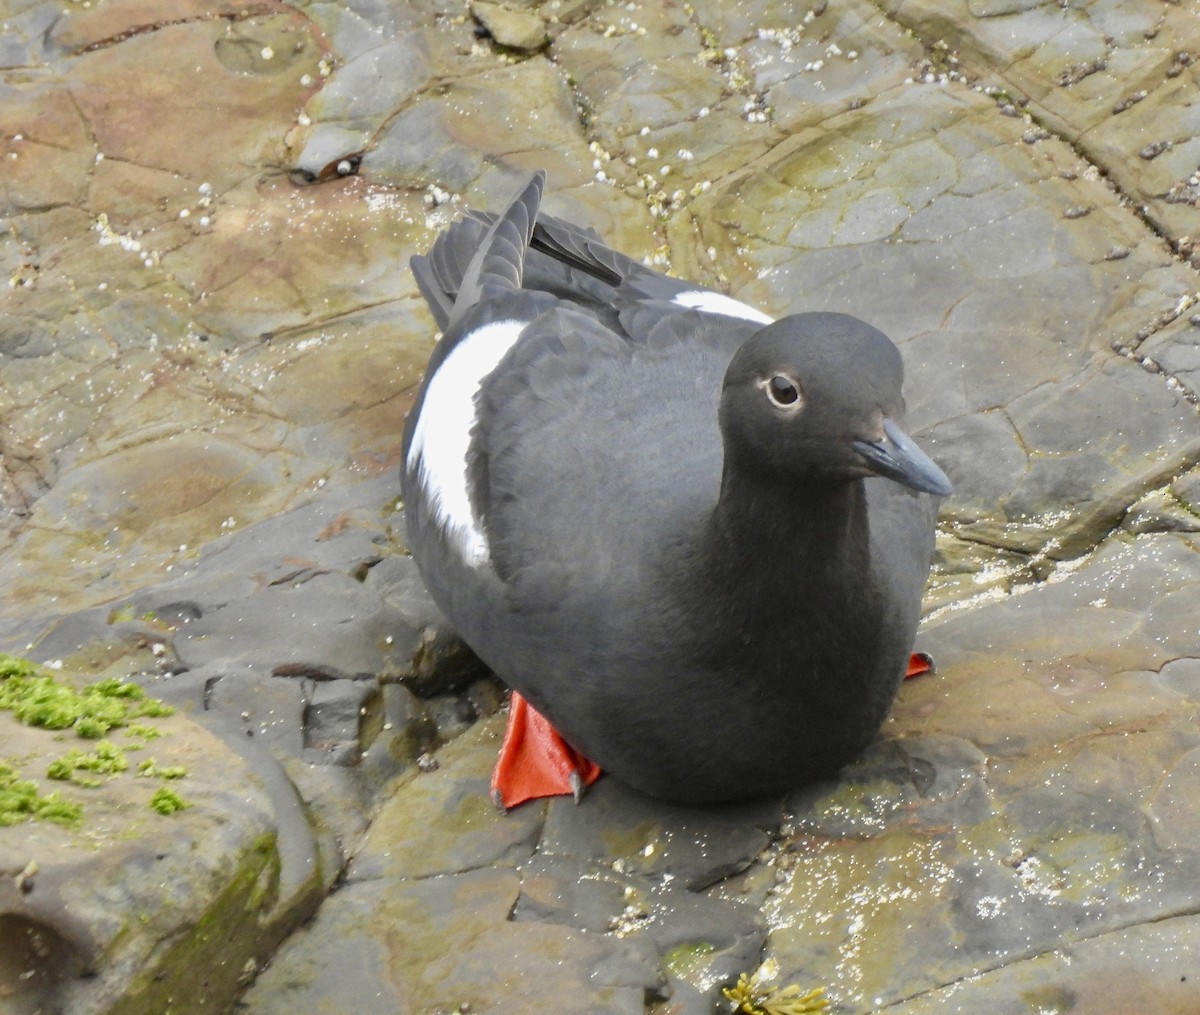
{"x":515,"y":29}
{"x":1134,"y":966}
{"x":333,"y":718}
{"x":637,"y":835}
{"x":1175,"y":350}
{"x":1047,"y":821}
{"x":1114,"y":77}
{"x":1160,"y":511}
{"x":442,"y":942}
{"x":452,"y":807}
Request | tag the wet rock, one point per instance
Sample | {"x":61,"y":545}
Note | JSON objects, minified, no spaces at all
{"x":1160,"y":511}
{"x":333,"y":718}
{"x":1037,"y":825}
{"x":516,"y":29}
{"x":699,"y":941}
{"x":443,"y":662}
{"x":1187,"y":489}
{"x":269,"y":710}
{"x":811,"y":63}
{"x":1131,"y":966}
{"x":127,"y":905}
{"x":449,"y":137}
{"x":1113,"y":79}
{"x":209,"y":343}
{"x":1176,"y":351}
{"x":452,"y":806}
{"x":1044,"y":481}
{"x":697,"y":846}
{"x":442,"y":942}
{"x":404,"y":731}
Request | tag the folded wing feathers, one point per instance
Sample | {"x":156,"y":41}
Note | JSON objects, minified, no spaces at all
{"x":501,"y":254}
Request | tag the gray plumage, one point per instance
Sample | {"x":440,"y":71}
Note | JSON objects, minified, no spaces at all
{"x":706,"y":538}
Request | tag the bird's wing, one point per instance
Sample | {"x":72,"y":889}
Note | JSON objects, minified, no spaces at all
{"x":590,"y":448}
{"x":634,"y":285}
{"x":548,"y":410}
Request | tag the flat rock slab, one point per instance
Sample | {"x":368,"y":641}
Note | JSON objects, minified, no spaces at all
{"x":427,"y":929}
{"x":1151,"y":967}
{"x":957,"y":198}
{"x":1117,"y":77}
{"x":1036,"y":796}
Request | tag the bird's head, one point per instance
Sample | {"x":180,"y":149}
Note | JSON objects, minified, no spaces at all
{"x":816,"y":397}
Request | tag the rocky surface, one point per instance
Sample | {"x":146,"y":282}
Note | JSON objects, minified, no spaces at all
{"x":208,"y":342}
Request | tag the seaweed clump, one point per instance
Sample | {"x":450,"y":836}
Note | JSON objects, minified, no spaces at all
{"x":750,"y":997}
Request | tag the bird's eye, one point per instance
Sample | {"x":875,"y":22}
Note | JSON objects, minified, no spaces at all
{"x":783,"y":392}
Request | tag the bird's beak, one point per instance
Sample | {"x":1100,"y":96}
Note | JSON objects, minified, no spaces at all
{"x":898,"y":458}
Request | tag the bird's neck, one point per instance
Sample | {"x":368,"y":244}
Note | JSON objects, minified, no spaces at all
{"x":781,"y":587}
{"x":784,"y":600}
{"x":788,"y":538}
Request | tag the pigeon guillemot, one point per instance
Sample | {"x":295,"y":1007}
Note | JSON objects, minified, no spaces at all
{"x":694,"y":539}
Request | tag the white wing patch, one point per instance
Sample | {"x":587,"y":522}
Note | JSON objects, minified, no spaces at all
{"x":717,"y":303}
{"x":443,"y":433}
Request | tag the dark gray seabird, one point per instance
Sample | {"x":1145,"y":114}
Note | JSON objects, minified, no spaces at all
{"x":693,"y":538}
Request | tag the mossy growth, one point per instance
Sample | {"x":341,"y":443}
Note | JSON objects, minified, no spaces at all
{"x":152,"y":769}
{"x":106,"y":759}
{"x":21,"y":801}
{"x":36,"y":698}
{"x":166,"y":801}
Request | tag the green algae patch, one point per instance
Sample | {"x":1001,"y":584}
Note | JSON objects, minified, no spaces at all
{"x":20,"y":801}
{"x":105,"y":759}
{"x":37,"y":698}
{"x":41,"y":699}
{"x":166,"y":802}
{"x":152,"y":769}
{"x":689,"y":961}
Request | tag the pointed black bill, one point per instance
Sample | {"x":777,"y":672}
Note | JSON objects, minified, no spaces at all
{"x":897,"y":457}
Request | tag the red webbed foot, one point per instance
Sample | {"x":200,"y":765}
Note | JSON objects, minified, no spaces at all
{"x":535,"y":761}
{"x":919,"y":663}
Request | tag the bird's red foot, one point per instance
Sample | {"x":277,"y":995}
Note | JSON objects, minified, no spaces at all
{"x":535,"y":761}
{"x":919,"y":663}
